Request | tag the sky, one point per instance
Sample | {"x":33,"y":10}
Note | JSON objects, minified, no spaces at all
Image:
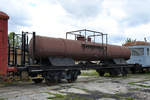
{"x":120,"y":19}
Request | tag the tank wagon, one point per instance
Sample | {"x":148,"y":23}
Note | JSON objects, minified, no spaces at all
{"x":66,"y":57}
{"x":55,"y":58}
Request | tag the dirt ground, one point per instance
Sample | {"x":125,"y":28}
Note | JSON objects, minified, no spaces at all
{"x":132,"y":87}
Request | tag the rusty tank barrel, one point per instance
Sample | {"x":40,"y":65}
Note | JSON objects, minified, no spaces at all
{"x":78,"y":50}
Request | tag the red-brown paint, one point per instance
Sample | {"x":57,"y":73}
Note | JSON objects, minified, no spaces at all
{"x":47,"y":47}
{"x":3,"y":43}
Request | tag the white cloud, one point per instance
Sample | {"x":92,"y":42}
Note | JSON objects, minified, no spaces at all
{"x":115,"y":8}
{"x":139,"y":32}
{"x":119,"y":18}
{"x":18,"y":12}
{"x":82,"y":9}
{"x":138,"y":12}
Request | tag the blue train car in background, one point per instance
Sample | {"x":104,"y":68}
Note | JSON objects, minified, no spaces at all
{"x":140,"y":54}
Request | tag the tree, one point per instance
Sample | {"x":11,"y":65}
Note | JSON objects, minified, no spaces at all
{"x":129,"y":40}
{"x":17,"y":39}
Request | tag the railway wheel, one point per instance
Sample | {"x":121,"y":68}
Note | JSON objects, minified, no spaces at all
{"x":24,"y":75}
{"x":73,"y":75}
{"x":37,"y":80}
{"x":101,"y":72}
{"x":50,"y":82}
{"x":133,"y":70}
{"x":71,"y":80}
{"x":114,"y":72}
{"x":52,"y":77}
{"x":124,"y":71}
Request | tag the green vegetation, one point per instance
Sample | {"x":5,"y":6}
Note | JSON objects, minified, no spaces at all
{"x":55,"y":95}
{"x":73,"y":97}
{"x":2,"y":99}
{"x":130,"y":40}
{"x":132,"y":83}
{"x":70,"y":96}
{"x":17,"y":39}
{"x":106,"y":74}
{"x":141,"y":85}
{"x":9,"y":82}
{"x":120,"y":97}
{"x":59,"y":96}
{"x":134,"y":89}
{"x":117,"y":96}
{"x":86,"y":90}
{"x":3,"y":84}
{"x":89,"y":73}
{"x":145,"y":86}
{"x":129,"y":98}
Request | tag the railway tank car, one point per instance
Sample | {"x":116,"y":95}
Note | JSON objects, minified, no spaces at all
{"x":47,"y":47}
{"x":60,"y":56}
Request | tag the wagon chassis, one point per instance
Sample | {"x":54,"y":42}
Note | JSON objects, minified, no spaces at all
{"x":79,"y":67}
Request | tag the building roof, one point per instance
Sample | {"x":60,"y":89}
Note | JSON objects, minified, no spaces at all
{"x":3,"y":15}
{"x":135,"y":43}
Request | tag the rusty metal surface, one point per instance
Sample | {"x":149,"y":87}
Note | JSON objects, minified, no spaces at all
{"x":3,"y":43}
{"x":56,"y":47}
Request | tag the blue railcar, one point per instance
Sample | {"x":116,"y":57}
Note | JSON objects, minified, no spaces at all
{"x":140,"y":54}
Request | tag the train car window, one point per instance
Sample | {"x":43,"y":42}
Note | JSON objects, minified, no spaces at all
{"x":147,"y":51}
{"x":137,"y":51}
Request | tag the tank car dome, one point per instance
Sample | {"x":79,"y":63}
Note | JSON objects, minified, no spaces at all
{"x":3,"y":15}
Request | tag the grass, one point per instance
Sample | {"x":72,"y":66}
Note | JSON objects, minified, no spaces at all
{"x":89,"y":73}
{"x":106,"y":74}
{"x":56,"y":95}
{"x":2,"y":99}
{"x":129,"y":98}
{"x":117,"y":96}
{"x":3,"y":84}
{"x":122,"y":98}
{"x":141,"y":85}
{"x":85,"y":90}
{"x":8,"y":83}
{"x":132,"y":83}
{"x":72,"y":96}
{"x":11,"y":82}
{"x":134,"y":89}
{"x":145,"y":86}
